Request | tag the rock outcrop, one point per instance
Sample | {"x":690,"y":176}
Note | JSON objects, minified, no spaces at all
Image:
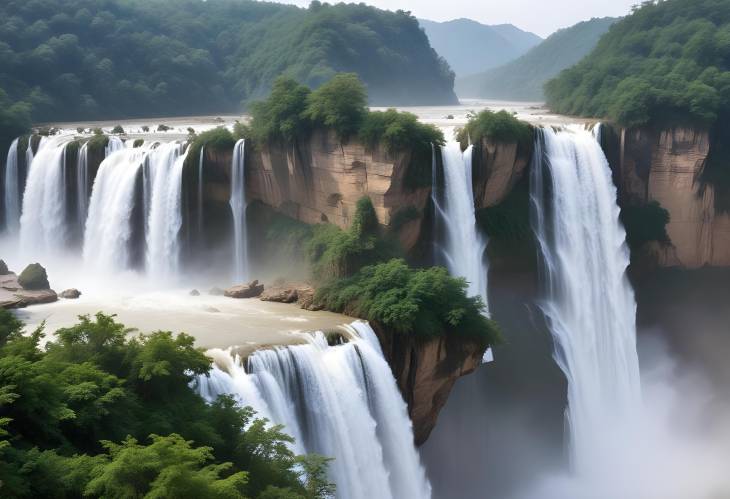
{"x":34,"y":277}
{"x":12,"y":294}
{"x":496,"y":169}
{"x":248,"y":290}
{"x":665,"y":166}
{"x":425,"y":371}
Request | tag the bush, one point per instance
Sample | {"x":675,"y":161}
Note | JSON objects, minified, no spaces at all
{"x":34,"y":277}
{"x":398,"y":131}
{"x":138,"y":143}
{"x":217,"y":139}
{"x":163,"y":128}
{"x":280,"y":117}
{"x":501,"y":126}
{"x":424,"y":302}
{"x":339,"y":104}
{"x":118,"y":130}
{"x":145,"y":128}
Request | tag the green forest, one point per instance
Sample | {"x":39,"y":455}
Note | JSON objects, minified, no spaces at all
{"x":668,"y":62}
{"x":97,"y":412}
{"x":86,"y":59}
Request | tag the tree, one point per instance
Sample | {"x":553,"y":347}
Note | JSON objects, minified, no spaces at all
{"x":340,"y":104}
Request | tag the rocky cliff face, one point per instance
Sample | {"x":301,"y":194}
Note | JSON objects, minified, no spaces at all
{"x":426,"y":372}
{"x":665,"y":166}
{"x":497,"y":167}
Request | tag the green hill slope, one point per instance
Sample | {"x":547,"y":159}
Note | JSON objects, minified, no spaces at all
{"x":523,"y":78}
{"x":81,"y":59}
{"x":458,"y":40}
{"x":666,"y":63}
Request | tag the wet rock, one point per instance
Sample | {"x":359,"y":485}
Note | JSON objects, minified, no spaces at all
{"x":212,"y":310}
{"x":70,"y":294}
{"x":3,"y":268}
{"x":216,"y":292}
{"x":34,"y":277}
{"x":195,"y":292}
{"x":280,"y":295}
{"x":248,"y":290}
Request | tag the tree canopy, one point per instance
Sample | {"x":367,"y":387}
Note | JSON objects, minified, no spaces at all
{"x":99,"y":414}
{"x":666,"y":63}
{"x":85,"y":59}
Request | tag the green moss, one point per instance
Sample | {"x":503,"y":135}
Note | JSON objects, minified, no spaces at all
{"x":501,"y":126}
{"x":34,"y":277}
{"x":97,"y":144}
{"x":217,"y":139}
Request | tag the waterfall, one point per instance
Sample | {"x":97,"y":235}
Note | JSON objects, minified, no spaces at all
{"x":464,"y":245}
{"x":165,"y":210}
{"x":43,"y":227}
{"x":589,"y":303}
{"x":12,"y":190}
{"x":339,"y":401}
{"x":82,"y":184}
{"x":113,"y":144}
{"x":200,"y":194}
{"x":238,"y":209}
{"x":108,"y":234}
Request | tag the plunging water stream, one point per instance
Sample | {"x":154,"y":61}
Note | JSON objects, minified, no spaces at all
{"x":238,"y":209}
{"x":589,"y":302}
{"x":336,"y":401}
{"x":464,"y":245}
{"x":12,"y":190}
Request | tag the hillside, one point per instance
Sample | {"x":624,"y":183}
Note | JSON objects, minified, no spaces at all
{"x":85,"y":59}
{"x":458,"y":40}
{"x":523,"y":78}
{"x":666,"y":63}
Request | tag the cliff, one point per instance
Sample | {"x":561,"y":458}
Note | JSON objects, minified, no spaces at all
{"x":666,"y":166}
{"x":426,"y":371}
{"x":496,"y":168}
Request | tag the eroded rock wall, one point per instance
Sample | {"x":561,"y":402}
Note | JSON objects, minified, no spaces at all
{"x":665,"y":166}
{"x":497,"y":167}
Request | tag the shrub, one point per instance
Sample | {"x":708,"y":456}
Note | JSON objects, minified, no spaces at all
{"x":138,"y":143}
{"x":145,"y":128}
{"x":424,"y":302}
{"x":98,"y":131}
{"x":163,"y":128}
{"x":118,"y":130}
{"x":218,"y":139}
{"x":501,"y":126}
{"x":339,"y":104}
{"x":280,"y":116}
{"x":34,"y":277}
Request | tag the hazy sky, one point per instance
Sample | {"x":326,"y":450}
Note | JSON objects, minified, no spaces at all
{"x":542,"y":17}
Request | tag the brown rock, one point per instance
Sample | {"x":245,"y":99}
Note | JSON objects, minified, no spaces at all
{"x":497,"y":168}
{"x":12,"y":295}
{"x":249,"y":290}
{"x":280,"y":295}
{"x":70,"y":294}
{"x":425,"y":371}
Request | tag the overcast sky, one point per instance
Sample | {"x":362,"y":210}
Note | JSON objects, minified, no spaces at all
{"x":542,"y":17}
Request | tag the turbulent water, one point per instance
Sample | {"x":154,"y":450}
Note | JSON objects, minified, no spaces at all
{"x":589,"y":302}
{"x":238,"y":210}
{"x":464,"y":245}
{"x":337,"y":401}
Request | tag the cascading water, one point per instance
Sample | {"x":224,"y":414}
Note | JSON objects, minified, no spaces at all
{"x":238,"y":209}
{"x":464,"y":245}
{"x":200,"y":193}
{"x":339,"y":401}
{"x":589,"y":302}
{"x":43,"y":227}
{"x":82,"y":184}
{"x":113,"y":144}
{"x":108,"y":234}
{"x":165,"y":210}
{"x":12,"y":190}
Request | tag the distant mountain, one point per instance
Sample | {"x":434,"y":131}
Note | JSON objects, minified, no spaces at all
{"x":523,"y":78}
{"x":471,"y":47}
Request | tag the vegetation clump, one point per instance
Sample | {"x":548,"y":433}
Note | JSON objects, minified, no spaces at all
{"x":34,"y":277}
{"x":99,"y":414}
{"x":340,"y":104}
{"x":666,"y":63}
{"x":644,"y":223}
{"x":118,"y":130}
{"x":425,"y":302}
{"x":501,"y":126}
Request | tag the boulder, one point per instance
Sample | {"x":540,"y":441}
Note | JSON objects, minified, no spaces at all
{"x":216,"y":291}
{"x":3,"y":268}
{"x":34,"y":277}
{"x":249,"y":290}
{"x":280,"y":295}
{"x":12,"y":295}
{"x":70,"y":294}
{"x":195,"y":292}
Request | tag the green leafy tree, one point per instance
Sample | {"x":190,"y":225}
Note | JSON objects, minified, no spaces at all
{"x":339,"y":104}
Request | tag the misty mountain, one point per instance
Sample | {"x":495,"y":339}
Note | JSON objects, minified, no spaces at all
{"x":471,"y":47}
